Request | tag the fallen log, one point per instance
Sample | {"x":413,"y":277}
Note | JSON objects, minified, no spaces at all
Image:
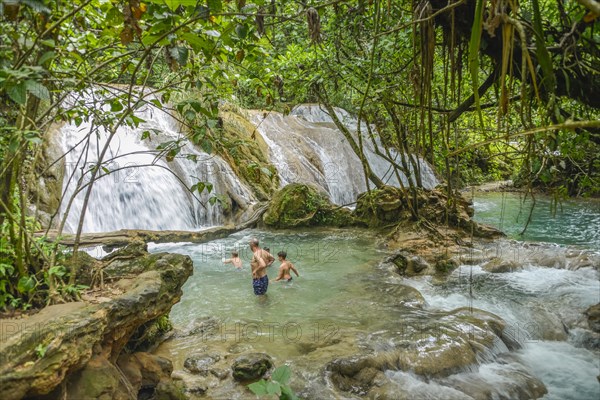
{"x":125,"y":236}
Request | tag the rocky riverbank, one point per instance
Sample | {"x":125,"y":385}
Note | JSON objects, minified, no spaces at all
{"x":80,"y":350}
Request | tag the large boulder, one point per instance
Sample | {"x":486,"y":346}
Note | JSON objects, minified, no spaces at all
{"x":39,"y":351}
{"x":303,"y":205}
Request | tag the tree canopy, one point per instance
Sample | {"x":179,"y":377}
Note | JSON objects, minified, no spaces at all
{"x":481,"y":89}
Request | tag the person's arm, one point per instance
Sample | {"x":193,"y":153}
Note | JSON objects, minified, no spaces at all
{"x":294,"y":269}
{"x":280,"y":275}
{"x":228,"y":261}
{"x":270,"y":259}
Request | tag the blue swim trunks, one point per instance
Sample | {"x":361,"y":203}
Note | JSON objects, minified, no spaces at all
{"x":260,"y":285}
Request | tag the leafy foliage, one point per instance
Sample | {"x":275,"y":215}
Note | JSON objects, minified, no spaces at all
{"x":277,"y":385}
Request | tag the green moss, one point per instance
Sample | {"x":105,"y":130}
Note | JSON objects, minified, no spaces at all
{"x":150,"y":334}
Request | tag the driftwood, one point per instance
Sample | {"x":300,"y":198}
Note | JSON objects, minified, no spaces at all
{"x":125,"y":236}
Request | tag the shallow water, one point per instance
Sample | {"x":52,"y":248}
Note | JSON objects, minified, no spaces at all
{"x":325,"y":302}
{"x":341,"y":303}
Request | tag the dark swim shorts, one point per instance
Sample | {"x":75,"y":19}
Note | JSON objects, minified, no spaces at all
{"x":260,"y":285}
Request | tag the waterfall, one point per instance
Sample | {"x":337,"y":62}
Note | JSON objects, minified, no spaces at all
{"x":143,"y":191}
{"x":307,"y":147}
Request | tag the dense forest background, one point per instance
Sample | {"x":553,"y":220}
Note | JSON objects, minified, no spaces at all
{"x":483,"y":90}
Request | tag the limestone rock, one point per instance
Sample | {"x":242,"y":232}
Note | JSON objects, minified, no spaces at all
{"x":303,"y":205}
{"x":99,"y":379}
{"x":251,"y":366}
{"x":73,"y":333}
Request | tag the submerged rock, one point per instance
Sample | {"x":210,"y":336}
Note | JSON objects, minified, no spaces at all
{"x":251,"y":366}
{"x":201,"y":363}
{"x":497,"y":265}
{"x":593,"y":317}
{"x":440,"y":346}
{"x":303,"y":205}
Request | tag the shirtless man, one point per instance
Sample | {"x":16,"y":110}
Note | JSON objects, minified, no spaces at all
{"x":235,"y":260}
{"x":258,"y":264}
{"x":284,"y":268}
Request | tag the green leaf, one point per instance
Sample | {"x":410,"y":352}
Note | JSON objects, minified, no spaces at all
{"x":213,"y":200}
{"x":241,"y":31}
{"x":116,"y":106}
{"x":174,"y":4}
{"x":18,"y":93}
{"x":214,"y":6}
{"x":282,"y":374}
{"x":26,"y":284}
{"x":47,"y":56}
{"x":37,"y":89}
{"x":206,"y":145}
{"x":209,"y":187}
{"x":213,"y":33}
{"x":57,"y":270}
{"x":287,"y":393}
{"x":273,"y":388}
{"x":180,"y":54}
{"x":32,"y":137}
{"x":258,"y":388}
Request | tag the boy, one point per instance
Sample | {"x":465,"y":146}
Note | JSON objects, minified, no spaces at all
{"x":235,"y":260}
{"x":284,"y":268}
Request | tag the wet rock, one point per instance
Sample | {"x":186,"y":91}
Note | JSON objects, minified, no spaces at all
{"x":497,"y":265}
{"x":166,"y":390}
{"x":355,"y":374}
{"x":303,"y":205}
{"x":251,"y":366}
{"x":201,"y":363}
{"x":409,"y":265}
{"x":219,"y":373}
{"x":309,"y":347}
{"x":505,"y":380}
{"x":402,"y":294}
{"x":99,"y":379}
{"x":593,"y":317}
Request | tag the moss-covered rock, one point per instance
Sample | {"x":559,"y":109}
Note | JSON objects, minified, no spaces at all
{"x":303,"y":205}
{"x":384,"y":206}
{"x":252,"y":366}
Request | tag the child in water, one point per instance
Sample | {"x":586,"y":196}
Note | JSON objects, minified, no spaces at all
{"x":235,"y":260}
{"x":284,"y":268}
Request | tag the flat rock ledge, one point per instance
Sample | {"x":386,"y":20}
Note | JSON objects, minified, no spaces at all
{"x":46,"y":352}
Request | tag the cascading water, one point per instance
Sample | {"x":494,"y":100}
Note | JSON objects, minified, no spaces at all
{"x":307,"y":147}
{"x":143,"y":192}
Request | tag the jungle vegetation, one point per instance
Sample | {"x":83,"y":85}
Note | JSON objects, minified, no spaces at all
{"x":482,"y":89}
